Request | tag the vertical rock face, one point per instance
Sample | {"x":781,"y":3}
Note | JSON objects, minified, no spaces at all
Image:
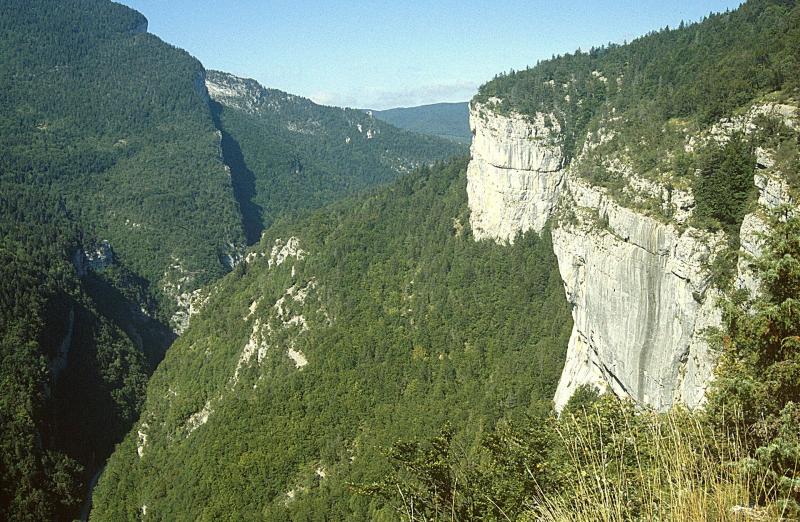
{"x":773,"y":192}
{"x":639,"y":286}
{"x":516,"y":172}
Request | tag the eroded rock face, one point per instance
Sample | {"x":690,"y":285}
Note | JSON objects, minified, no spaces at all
{"x":639,"y":286}
{"x":516,"y":173}
{"x":245,"y":94}
{"x":284,"y":323}
{"x":773,"y":193}
{"x":96,"y":258}
{"x":636,"y":286}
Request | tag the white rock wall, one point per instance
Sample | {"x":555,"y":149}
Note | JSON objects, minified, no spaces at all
{"x":639,"y":287}
{"x":772,"y":193}
{"x":516,"y":173}
{"x":636,"y":286}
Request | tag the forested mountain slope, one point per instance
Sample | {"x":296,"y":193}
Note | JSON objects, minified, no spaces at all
{"x":73,"y":368}
{"x":446,"y":120}
{"x":115,"y":204}
{"x":371,"y":321}
{"x":117,"y":123}
{"x":106,"y":135}
{"x":288,"y":154}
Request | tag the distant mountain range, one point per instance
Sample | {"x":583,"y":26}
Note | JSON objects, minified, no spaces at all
{"x":446,"y":120}
{"x":288,"y":154}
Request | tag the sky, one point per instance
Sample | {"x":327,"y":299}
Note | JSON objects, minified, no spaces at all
{"x":383,"y":54}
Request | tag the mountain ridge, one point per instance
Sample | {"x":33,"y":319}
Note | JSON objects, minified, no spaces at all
{"x":448,"y":120}
{"x":293,"y":155}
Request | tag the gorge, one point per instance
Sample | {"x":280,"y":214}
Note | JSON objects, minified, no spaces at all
{"x":220,"y":300}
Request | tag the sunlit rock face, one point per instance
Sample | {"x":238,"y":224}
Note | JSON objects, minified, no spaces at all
{"x":639,"y":287}
{"x":516,"y":173}
{"x":639,"y":290}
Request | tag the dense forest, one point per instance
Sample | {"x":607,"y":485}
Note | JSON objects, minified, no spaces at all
{"x":604,"y":458}
{"x":114,"y":199}
{"x":114,"y":121}
{"x":393,"y":322}
{"x":58,"y":422}
{"x":289,"y":155}
{"x":104,"y":137}
{"x":700,"y":72}
{"x":446,"y":120}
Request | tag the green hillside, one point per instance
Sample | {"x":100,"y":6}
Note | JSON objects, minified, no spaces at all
{"x":446,"y":120}
{"x":294,"y":378}
{"x":117,"y":122}
{"x":115,"y":202}
{"x":59,"y":421}
{"x":288,"y":154}
{"x":105,"y":135}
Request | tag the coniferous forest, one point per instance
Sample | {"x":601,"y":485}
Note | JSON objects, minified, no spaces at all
{"x":223,"y":301}
{"x":108,"y":135}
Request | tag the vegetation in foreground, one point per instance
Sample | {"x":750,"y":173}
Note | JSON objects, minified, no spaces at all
{"x":602,"y":459}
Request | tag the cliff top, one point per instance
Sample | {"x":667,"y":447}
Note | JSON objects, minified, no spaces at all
{"x":699,"y":72}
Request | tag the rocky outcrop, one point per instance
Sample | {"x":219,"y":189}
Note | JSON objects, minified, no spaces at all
{"x":516,"y":172}
{"x":773,"y":193}
{"x":247,"y":95}
{"x":199,"y":418}
{"x":101,"y":257}
{"x":639,"y":284}
{"x":96,"y":258}
{"x":141,"y":439}
{"x":178,"y":284}
{"x":637,"y":287}
{"x":284,"y":322}
{"x":189,"y":304}
{"x":199,"y":85}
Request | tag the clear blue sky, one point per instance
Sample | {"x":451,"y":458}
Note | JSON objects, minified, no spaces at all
{"x":381,"y":54}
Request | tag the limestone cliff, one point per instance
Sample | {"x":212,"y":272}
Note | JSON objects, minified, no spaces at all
{"x":639,"y":282}
{"x":515,"y":175}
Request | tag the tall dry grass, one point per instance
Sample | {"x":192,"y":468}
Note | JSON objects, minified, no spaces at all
{"x":643,"y":466}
